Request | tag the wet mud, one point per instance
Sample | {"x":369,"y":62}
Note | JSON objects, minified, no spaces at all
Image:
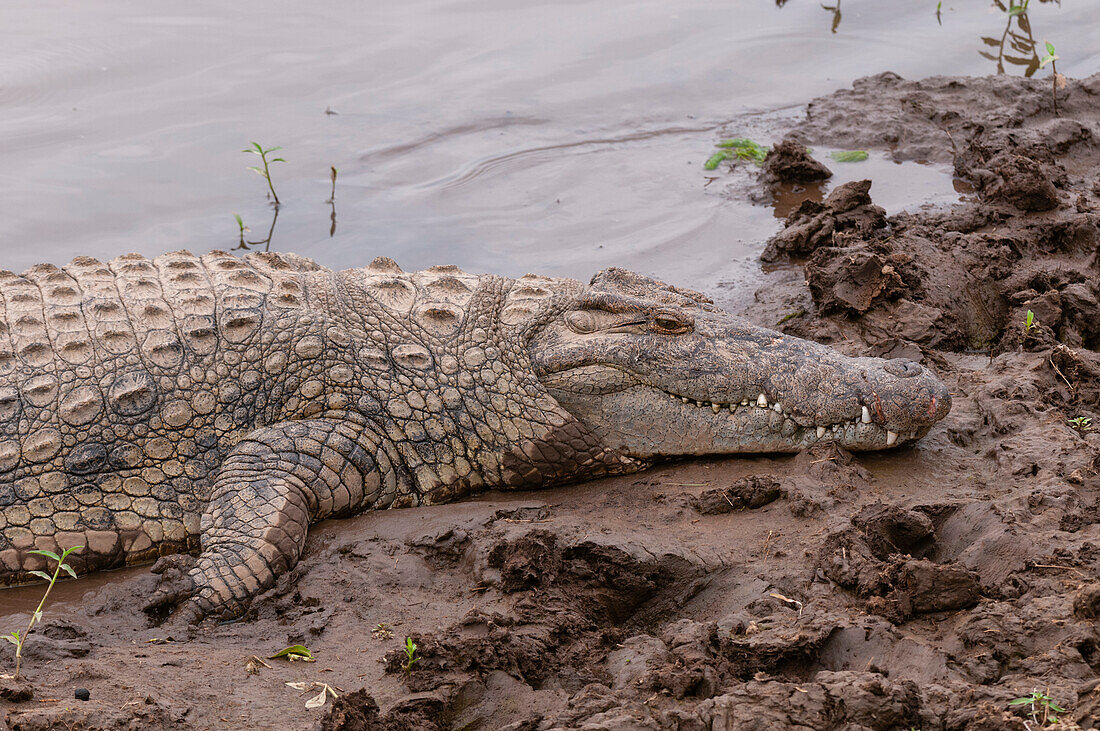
{"x":922,"y":588}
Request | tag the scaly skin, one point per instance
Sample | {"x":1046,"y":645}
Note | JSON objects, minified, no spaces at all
{"x":220,"y":405}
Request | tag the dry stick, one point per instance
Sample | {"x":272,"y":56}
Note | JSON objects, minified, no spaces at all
{"x":767,"y":544}
{"x":1054,"y":98}
{"x":1059,"y":372}
{"x":1056,"y":566}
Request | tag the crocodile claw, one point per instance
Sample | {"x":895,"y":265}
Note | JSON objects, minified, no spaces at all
{"x":172,"y":600}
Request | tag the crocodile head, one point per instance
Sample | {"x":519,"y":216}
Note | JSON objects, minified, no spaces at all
{"x":655,"y":370}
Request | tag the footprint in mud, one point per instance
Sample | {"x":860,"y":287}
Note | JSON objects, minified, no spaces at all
{"x":881,"y":557}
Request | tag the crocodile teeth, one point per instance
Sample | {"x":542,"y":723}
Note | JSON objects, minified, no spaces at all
{"x":891,"y":437}
{"x":744,"y":402}
{"x":733,"y":408}
{"x":820,"y":432}
{"x":762,"y":401}
{"x":685,"y":399}
{"x":715,"y":408}
{"x":866,"y":416}
{"x":777,"y":407}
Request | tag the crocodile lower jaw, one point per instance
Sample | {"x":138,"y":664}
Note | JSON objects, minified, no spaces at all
{"x":860,"y":429}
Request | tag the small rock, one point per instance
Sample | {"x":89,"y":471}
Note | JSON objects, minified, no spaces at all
{"x":82,"y":694}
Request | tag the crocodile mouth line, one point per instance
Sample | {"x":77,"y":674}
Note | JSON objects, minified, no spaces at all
{"x":860,"y":429}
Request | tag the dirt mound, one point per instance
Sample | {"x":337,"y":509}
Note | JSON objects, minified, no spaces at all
{"x":965,"y":278}
{"x":790,"y":162}
{"x":846,"y":213}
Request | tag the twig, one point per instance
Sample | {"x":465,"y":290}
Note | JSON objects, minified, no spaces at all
{"x":767,"y":545}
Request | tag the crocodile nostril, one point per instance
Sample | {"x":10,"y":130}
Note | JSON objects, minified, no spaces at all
{"x":902,"y":368}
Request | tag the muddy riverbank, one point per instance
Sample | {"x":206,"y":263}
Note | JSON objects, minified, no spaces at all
{"x":923,"y":588}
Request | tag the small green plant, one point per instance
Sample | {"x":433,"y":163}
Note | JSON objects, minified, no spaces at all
{"x":746,"y":149}
{"x":381,"y":631}
{"x":718,"y":157}
{"x":1057,"y":81}
{"x":265,"y":171}
{"x":294,"y":652}
{"x":410,"y":656}
{"x":241,"y":230}
{"x":737,"y":148}
{"x":791,"y":316}
{"x":849,"y":155}
{"x":1013,"y":9}
{"x":1029,"y":322}
{"x":18,"y":639}
{"x":939,"y":7}
{"x":1043,"y":710}
{"x":1082,"y":424}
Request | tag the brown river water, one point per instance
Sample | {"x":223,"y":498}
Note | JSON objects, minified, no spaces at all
{"x":557,"y":137}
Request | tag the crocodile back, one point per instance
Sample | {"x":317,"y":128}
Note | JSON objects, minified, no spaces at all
{"x":119,"y":395}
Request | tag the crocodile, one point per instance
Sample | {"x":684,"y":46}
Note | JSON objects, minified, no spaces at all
{"x":202,"y":411}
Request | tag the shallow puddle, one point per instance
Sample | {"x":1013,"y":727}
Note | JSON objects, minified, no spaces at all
{"x":67,"y":594}
{"x":501,"y":136}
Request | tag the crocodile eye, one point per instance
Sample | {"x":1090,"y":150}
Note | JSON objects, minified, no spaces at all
{"x":580,"y":321}
{"x":668,"y":325}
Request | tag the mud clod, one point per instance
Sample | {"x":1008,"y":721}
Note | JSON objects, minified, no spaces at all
{"x":789,"y":162}
{"x":1086,"y":604}
{"x":846,"y":212}
{"x":15,"y":690}
{"x":750,"y":492}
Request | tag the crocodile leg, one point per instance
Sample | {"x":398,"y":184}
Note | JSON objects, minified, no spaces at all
{"x":271,"y":487}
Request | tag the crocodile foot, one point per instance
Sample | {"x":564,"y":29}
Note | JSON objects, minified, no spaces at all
{"x":175,"y":589}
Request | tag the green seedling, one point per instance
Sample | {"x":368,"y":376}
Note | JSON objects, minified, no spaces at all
{"x":791,"y":316}
{"x":410,"y":656}
{"x":381,"y":631}
{"x":849,"y":155}
{"x":1081,"y":423}
{"x":737,"y":148}
{"x":1029,"y":322}
{"x":1013,"y":9}
{"x":241,"y":230}
{"x":746,"y":149}
{"x":265,"y":171}
{"x":15,"y":637}
{"x":939,"y":7}
{"x":293,"y":653}
{"x":1057,"y":81}
{"x":1043,"y":710}
{"x":718,"y":157}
